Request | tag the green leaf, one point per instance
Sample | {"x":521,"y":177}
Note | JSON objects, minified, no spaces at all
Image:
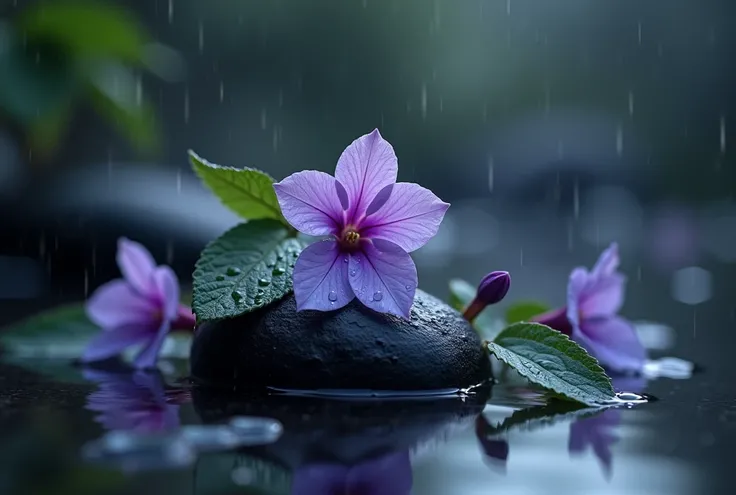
{"x":525,"y":311}
{"x":246,"y":268}
{"x":538,"y":417}
{"x":550,"y":359}
{"x":461,"y":295}
{"x":246,"y":191}
{"x":86,"y":28}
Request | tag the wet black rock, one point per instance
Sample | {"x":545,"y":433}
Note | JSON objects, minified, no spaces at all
{"x":351,"y":348}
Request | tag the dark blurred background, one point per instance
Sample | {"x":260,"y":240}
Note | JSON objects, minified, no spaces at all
{"x":552,"y":127}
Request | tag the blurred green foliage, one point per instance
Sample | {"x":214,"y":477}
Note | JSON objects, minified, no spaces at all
{"x":58,"y":54}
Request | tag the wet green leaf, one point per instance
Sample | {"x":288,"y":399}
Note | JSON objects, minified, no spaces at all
{"x":461,"y":295}
{"x":86,"y":28}
{"x":550,"y":359}
{"x":246,"y":268}
{"x":525,"y":311}
{"x":246,"y":191}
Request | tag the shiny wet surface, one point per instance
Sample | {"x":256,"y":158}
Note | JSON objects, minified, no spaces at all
{"x":55,"y":440}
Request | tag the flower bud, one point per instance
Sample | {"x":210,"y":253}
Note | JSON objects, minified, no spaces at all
{"x":492,"y":289}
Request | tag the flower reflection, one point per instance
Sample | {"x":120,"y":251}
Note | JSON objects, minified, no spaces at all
{"x":132,"y":402}
{"x":599,"y":432}
{"x":495,"y":448}
{"x":387,"y":475}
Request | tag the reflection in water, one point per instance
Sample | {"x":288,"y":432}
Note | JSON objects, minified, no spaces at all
{"x":387,"y":475}
{"x":599,"y":432}
{"x":135,"y":402}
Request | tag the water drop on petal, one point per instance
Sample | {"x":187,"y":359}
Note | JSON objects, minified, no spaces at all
{"x":378,"y":295}
{"x":332,"y":296}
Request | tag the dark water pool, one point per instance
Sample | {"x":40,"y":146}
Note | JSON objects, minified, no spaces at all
{"x":53,"y":432}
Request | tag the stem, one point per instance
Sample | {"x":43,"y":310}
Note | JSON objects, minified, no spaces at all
{"x":473,"y":310}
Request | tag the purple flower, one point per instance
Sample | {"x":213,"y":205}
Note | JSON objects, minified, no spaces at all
{"x":373,"y":221}
{"x":593,"y":301}
{"x":388,"y":475}
{"x":134,"y":402}
{"x":491,"y":290}
{"x":139,"y":309}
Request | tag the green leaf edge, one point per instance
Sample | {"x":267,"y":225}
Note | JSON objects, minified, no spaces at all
{"x":197,"y":161}
{"x":559,"y":395}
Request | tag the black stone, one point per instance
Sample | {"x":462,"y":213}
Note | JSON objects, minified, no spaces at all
{"x":350,"y":348}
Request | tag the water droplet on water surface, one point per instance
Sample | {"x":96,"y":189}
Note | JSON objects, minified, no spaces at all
{"x":263,"y":282}
{"x":378,"y":295}
{"x":232,"y":271}
{"x":332,"y":296}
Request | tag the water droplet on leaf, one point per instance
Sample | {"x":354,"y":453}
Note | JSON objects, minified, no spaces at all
{"x":263,"y":282}
{"x":237,"y":296}
{"x":220,"y":278}
{"x":278,"y":271}
{"x":232,"y":271}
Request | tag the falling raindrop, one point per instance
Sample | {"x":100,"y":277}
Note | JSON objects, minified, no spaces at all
{"x":276,"y":137}
{"x":263,"y":282}
{"x":631,"y":103}
{"x":86,"y":282}
{"x":378,"y":295}
{"x":442,"y":104}
{"x":508,"y":7}
{"x":222,"y":91}
{"x":186,"y":106}
{"x":423,"y":99}
{"x":490,"y":173}
{"x":201,"y":37}
{"x":171,"y":11}
{"x":619,"y":140}
{"x":576,"y":199}
{"x":332,"y":296}
{"x":233,"y":271}
{"x":723,"y":134}
{"x":437,"y":15}
{"x":178,"y":181}
{"x":263,"y":118}
{"x":138,"y":91}
{"x":521,"y":256}
{"x":365,"y":3}
{"x":638,"y":31}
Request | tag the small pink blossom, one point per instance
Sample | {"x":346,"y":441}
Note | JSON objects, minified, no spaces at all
{"x":591,"y":315}
{"x":139,"y":309}
{"x":373,"y":223}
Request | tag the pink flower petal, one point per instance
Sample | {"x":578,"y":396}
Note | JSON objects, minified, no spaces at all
{"x":116,"y":303}
{"x":167,"y":289}
{"x":321,"y":278}
{"x":613,"y":341}
{"x":148,"y":356}
{"x":136,"y":264}
{"x":310,"y":202}
{"x":384,"y":277}
{"x":112,"y":342}
{"x":607,"y":262}
{"x":411,"y":217}
{"x":365,"y":167}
